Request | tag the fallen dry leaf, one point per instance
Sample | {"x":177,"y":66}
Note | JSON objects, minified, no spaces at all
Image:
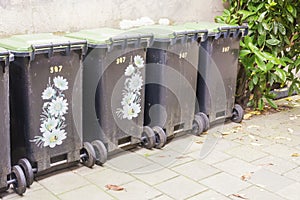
{"x":246,"y":176}
{"x":251,"y":136}
{"x":247,"y":116}
{"x":256,"y":144}
{"x":253,"y":126}
{"x":114,"y":187}
{"x":266,"y":164}
{"x":181,"y":157}
{"x":199,"y":142}
{"x":290,"y":130}
{"x":295,"y":155}
{"x":289,"y":99}
{"x":225,"y":133}
{"x":239,"y":196}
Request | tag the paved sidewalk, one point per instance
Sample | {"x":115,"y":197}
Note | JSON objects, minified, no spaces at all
{"x":257,"y":159}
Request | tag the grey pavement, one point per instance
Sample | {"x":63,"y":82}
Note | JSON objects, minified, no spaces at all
{"x":257,"y":159}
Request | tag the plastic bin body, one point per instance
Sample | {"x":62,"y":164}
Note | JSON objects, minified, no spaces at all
{"x":45,"y":61}
{"x":171,"y":75}
{"x":5,"y":164}
{"x":109,"y":54}
{"x":218,"y":68}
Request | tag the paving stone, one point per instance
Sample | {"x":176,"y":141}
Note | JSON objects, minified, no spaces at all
{"x":180,"y":188}
{"x":63,"y":182}
{"x":223,"y":145}
{"x":254,"y":141}
{"x":246,"y":153}
{"x":275,"y":164}
{"x":109,"y":176}
{"x":37,"y":195}
{"x":213,"y":157}
{"x":291,"y":192}
{"x":236,"y":167}
{"x":257,"y":193}
{"x":283,"y":151}
{"x":270,"y":180}
{"x":185,"y":143}
{"x":135,"y":190}
{"x":225,"y":183}
{"x":127,"y":161}
{"x":82,"y":170}
{"x":154,"y":174}
{"x":90,"y":192}
{"x":209,"y":195}
{"x":169,"y":158}
{"x":196,"y":170}
{"x":294,"y":174}
{"x":163,"y":197}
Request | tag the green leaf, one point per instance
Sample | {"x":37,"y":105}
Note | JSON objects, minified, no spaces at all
{"x":297,"y":62}
{"x":271,"y":103}
{"x":286,"y":59}
{"x":251,"y":85}
{"x":260,"y":29}
{"x":260,"y":63}
{"x":260,"y":104}
{"x":244,"y":52}
{"x":275,"y":27}
{"x":245,"y":14}
{"x":281,"y":73}
{"x":281,"y":28}
{"x":273,"y":41}
{"x":292,"y":10}
{"x":261,"y":39}
{"x":290,"y":18}
{"x":269,"y":66}
{"x":255,"y":80}
{"x":266,"y":26}
{"x":262,"y":16}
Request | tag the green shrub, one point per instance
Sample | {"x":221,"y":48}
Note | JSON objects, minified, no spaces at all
{"x":270,"y":53}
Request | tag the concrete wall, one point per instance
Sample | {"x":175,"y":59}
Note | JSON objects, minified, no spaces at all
{"x":31,"y":16}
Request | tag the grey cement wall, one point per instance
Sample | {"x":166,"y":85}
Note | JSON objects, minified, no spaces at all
{"x":32,"y":16}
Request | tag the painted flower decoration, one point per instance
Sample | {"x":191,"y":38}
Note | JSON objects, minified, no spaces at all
{"x":48,"y":93}
{"x":58,"y":106}
{"x":54,"y":138}
{"x":60,"y":83}
{"x":138,"y":61}
{"x":131,"y":94}
{"x":53,"y":114}
{"x":131,"y":110}
{"x":136,"y":82}
{"x":49,"y":124}
{"x":129,"y":70}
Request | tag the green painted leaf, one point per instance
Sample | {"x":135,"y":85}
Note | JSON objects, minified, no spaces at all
{"x":281,"y":73}
{"x":261,"y":39}
{"x":273,"y":41}
{"x":281,"y":28}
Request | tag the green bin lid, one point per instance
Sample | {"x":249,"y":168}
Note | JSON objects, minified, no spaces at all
{"x":3,"y":54}
{"x":25,"y":43}
{"x":99,"y":36}
{"x":166,"y":31}
{"x":213,"y":27}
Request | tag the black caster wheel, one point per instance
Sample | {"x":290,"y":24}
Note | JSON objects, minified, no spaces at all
{"x":101,"y":152}
{"x":160,"y":137}
{"x":19,"y":180}
{"x":197,"y":125}
{"x":205,"y":121}
{"x":148,"y":137}
{"x":88,"y":155}
{"x":237,"y":113}
{"x":28,"y":171}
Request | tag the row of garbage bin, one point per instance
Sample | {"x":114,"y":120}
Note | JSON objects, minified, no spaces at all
{"x":84,"y":95}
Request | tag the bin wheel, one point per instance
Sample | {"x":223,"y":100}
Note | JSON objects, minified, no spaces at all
{"x":237,"y":113}
{"x":197,"y":125}
{"x":18,"y":176}
{"x":100,"y":151}
{"x":148,"y":137}
{"x":27,"y":169}
{"x":89,"y":157}
{"x":160,"y":137}
{"x":205,"y":121}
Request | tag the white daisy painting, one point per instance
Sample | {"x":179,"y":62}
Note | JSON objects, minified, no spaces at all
{"x":131,"y":106}
{"x":54,"y":109}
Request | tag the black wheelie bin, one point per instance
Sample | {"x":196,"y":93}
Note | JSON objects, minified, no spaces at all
{"x":45,"y":82}
{"x":171,"y":79}
{"x":113,"y":82}
{"x":8,"y":175}
{"x":218,"y":68}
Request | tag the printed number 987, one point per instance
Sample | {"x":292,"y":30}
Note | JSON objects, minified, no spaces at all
{"x":120,"y":60}
{"x":55,"y":69}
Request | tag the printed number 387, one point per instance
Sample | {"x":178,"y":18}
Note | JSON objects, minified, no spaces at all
{"x":55,"y":69}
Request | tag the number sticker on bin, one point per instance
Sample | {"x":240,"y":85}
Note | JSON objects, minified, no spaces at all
{"x":55,"y":69}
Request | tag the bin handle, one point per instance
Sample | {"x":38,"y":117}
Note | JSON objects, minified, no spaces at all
{"x":237,"y":31}
{"x":194,"y":33}
{"x":123,"y":40}
{"x":50,"y":47}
